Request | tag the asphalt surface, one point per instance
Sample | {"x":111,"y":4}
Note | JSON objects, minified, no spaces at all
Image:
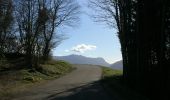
{"x":81,"y":84}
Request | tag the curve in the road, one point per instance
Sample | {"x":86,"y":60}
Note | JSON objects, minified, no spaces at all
{"x":81,"y":84}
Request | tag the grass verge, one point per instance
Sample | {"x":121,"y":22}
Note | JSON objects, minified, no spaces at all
{"x":14,"y":81}
{"x":112,"y":83}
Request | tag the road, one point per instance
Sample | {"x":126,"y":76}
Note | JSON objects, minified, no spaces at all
{"x":81,"y":84}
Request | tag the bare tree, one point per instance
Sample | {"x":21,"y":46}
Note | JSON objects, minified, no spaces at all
{"x":56,"y":13}
{"x":26,"y":16}
{"x":112,"y":13}
{"x":37,"y":21}
{"x":107,"y":12}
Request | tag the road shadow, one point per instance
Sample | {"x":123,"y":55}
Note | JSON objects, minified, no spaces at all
{"x":115,"y":87}
{"x":91,"y":91}
{"x":110,"y":88}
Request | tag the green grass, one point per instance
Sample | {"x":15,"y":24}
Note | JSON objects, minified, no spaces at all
{"x":56,"y":68}
{"x":108,"y":72}
{"x":14,"y":81}
{"x":113,"y":84}
{"x":111,"y":79}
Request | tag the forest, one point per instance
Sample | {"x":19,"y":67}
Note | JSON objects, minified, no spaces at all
{"x":144,"y":33}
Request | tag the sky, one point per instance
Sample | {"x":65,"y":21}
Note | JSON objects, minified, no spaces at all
{"x":90,"y":39}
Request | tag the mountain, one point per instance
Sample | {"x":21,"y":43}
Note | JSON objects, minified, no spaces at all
{"x":117,"y":65}
{"x":78,"y":59}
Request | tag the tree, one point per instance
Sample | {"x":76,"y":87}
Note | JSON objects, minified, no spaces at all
{"x":37,"y":21}
{"x":6,"y":21}
{"x":143,"y":30}
{"x":117,"y":14}
{"x":56,"y":13}
{"x":26,"y":16}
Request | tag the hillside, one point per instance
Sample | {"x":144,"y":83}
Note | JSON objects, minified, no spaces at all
{"x":117,"y":65}
{"x":78,"y":59}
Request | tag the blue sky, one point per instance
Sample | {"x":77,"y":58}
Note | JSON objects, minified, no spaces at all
{"x":90,"y":39}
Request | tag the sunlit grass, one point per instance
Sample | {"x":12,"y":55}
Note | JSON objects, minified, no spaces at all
{"x":109,"y":72}
{"x":12,"y":82}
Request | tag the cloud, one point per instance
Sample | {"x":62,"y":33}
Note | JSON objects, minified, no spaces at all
{"x":67,"y":50}
{"x":82,"y":48}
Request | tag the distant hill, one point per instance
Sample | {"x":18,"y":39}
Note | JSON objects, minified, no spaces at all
{"x":78,"y":59}
{"x":117,"y":65}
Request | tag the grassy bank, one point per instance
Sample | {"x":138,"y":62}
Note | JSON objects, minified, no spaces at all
{"x":15,"y":80}
{"x":113,"y":84}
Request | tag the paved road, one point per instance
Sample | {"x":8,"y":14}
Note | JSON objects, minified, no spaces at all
{"x":81,"y":84}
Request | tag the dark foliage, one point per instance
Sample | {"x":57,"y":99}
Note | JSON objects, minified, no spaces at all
{"x":145,"y":40}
